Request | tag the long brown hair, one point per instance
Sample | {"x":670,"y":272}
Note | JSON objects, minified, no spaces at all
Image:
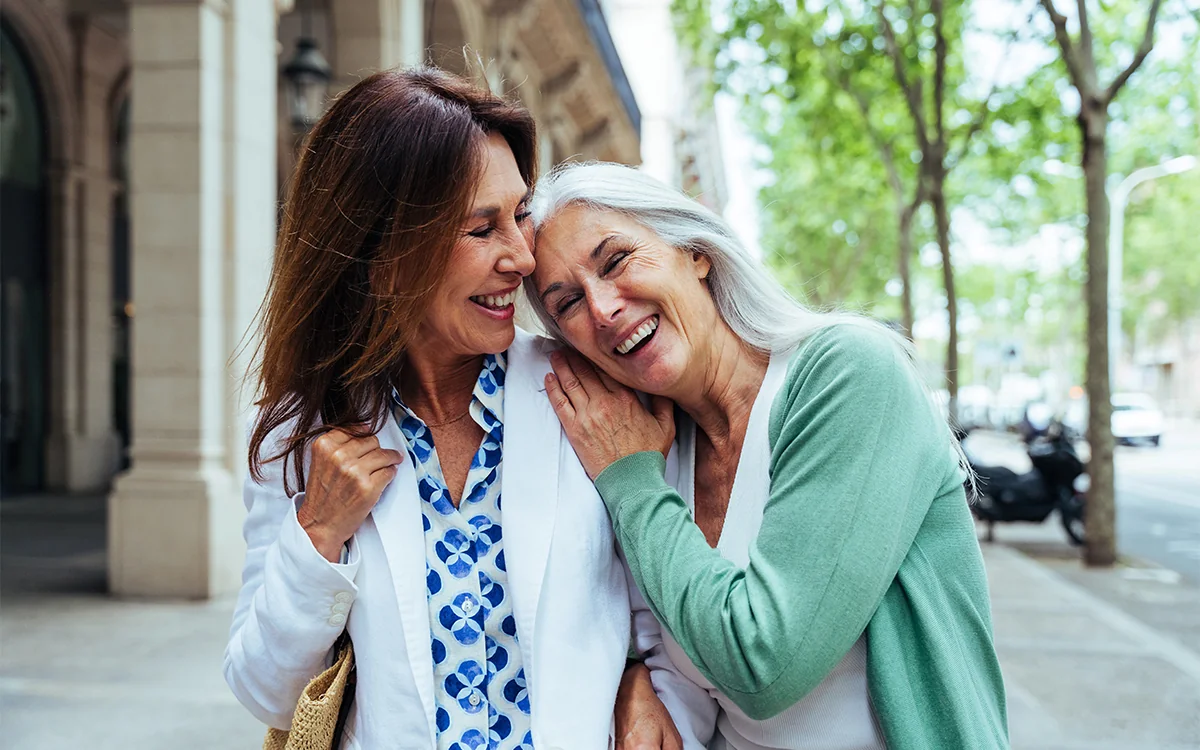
{"x":384,"y":182}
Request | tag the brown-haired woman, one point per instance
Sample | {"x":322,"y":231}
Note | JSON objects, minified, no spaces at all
{"x":390,"y":373}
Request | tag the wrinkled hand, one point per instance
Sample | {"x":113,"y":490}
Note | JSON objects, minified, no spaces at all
{"x":642,"y":720}
{"x":345,"y":479}
{"x":602,"y":418}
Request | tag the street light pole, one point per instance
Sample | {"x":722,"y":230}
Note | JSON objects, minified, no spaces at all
{"x":1116,"y":247}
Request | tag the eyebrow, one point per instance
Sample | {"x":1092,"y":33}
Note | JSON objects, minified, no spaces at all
{"x":489,"y":212}
{"x":550,"y":290}
{"x":592,"y":255}
{"x":600,"y":247}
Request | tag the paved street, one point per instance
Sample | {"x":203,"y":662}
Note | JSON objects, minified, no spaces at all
{"x":1158,"y":494}
{"x":1158,"y":501}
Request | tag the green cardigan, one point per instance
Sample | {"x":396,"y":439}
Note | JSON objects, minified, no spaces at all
{"x":866,"y":526}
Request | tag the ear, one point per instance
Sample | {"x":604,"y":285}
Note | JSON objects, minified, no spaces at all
{"x":701,"y":264}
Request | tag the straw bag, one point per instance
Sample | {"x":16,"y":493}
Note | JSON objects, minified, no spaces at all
{"x":322,"y":709}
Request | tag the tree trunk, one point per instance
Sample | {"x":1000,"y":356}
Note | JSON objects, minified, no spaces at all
{"x":937,"y":197}
{"x":1101,"y":549}
{"x":905,"y":244}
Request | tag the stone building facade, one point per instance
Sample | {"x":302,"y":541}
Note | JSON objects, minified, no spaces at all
{"x":143,"y":144}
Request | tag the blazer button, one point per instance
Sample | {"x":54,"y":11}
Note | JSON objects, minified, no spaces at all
{"x":338,"y":619}
{"x":344,"y":597}
{"x":340,"y":608}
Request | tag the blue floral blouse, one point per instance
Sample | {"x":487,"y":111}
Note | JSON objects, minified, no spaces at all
{"x":480,"y":690}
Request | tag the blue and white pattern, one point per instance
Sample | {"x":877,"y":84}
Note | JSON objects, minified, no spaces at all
{"x":481,"y":695}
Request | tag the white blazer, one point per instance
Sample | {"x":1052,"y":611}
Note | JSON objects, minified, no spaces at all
{"x":569,"y":589}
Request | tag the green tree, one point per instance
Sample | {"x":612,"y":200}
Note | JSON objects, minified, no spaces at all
{"x":1085,"y":69}
{"x":1162,"y":261}
{"x":860,"y":77}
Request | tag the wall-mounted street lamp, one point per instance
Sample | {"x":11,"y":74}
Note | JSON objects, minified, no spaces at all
{"x":307,"y":75}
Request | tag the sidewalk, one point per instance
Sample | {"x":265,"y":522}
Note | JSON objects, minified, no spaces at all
{"x":1084,"y":667}
{"x":1083,"y":673}
{"x":80,"y":669}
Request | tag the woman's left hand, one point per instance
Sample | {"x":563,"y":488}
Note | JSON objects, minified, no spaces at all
{"x":603,"y":419}
{"x":642,"y":721}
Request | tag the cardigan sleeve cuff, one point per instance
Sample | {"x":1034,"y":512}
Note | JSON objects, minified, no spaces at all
{"x":628,"y":477}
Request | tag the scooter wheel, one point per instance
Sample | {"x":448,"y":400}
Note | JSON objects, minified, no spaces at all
{"x":1071,"y":513}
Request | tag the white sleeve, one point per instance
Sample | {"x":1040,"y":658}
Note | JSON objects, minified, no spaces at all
{"x":692,"y":709}
{"x":292,"y":606}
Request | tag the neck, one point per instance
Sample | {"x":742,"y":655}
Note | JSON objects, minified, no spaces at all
{"x":438,"y":389}
{"x":731,"y":378}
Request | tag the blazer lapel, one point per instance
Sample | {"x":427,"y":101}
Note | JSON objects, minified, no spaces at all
{"x":529,"y":483}
{"x":398,"y":519}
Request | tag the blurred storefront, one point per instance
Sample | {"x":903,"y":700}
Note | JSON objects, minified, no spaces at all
{"x":143,"y":144}
{"x":1168,"y":368}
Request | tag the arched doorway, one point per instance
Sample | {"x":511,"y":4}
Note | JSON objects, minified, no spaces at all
{"x":24,"y":271}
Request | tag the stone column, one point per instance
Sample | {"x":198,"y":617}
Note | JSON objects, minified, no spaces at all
{"x":82,"y":446}
{"x":202,"y":195}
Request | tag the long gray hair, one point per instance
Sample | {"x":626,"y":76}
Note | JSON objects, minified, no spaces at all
{"x":748,"y":298}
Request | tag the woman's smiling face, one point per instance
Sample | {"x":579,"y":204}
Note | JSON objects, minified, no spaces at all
{"x":635,"y":306}
{"x":472,"y":312}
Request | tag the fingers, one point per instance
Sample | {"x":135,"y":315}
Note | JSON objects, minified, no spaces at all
{"x":643,"y":738}
{"x":341,"y":444}
{"x":663,"y":410}
{"x":591,"y":378}
{"x":610,"y":384}
{"x":558,"y":399}
{"x":380,"y":458}
{"x":568,"y":380}
{"x":588,"y":374}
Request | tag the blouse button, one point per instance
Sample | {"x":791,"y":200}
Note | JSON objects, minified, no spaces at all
{"x":474,"y":699}
{"x":467,"y":606}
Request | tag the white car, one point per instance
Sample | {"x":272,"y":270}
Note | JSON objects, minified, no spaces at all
{"x":1135,"y":417}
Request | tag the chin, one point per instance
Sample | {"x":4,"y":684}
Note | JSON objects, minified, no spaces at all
{"x":653,"y":378}
{"x":498,"y":342}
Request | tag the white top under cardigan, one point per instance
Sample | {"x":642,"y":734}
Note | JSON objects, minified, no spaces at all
{"x":837,"y":714}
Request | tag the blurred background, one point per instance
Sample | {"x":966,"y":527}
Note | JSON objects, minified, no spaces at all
{"x":1013,"y":184}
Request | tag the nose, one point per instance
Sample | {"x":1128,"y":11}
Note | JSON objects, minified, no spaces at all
{"x":518,"y":256}
{"x":604,"y":302}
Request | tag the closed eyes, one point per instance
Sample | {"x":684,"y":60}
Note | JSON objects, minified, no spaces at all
{"x":486,"y":231}
{"x":610,"y":264}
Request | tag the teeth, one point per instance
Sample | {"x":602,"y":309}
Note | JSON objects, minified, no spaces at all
{"x":644,"y":330}
{"x":491,"y":300}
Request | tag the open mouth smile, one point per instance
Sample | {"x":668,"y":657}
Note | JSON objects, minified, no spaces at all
{"x":639,"y":338}
{"x":496,"y":302}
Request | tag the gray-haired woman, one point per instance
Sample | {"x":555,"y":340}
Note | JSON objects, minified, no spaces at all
{"x":808,"y":548}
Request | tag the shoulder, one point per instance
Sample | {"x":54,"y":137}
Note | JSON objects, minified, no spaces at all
{"x":529,"y":358}
{"x":856,"y":349}
{"x":852,"y":367}
{"x":531,"y":347}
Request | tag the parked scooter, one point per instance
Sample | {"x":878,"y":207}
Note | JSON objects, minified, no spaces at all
{"x":1056,"y":482}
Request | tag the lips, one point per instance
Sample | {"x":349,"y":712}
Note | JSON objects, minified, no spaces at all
{"x":640,"y":334}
